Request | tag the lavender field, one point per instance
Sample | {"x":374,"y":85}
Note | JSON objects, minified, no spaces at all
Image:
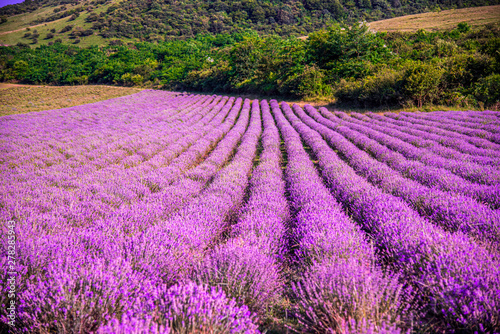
{"x":163,"y":212}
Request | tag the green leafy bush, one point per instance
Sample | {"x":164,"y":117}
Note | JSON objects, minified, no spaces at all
{"x":307,"y":83}
{"x":487,"y":90}
{"x":381,"y":89}
{"x":421,"y":82}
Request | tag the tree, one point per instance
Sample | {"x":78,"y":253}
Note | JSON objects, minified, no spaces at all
{"x":21,"y":69}
{"x":343,"y":50}
{"x":421,"y":82}
{"x":487,"y":90}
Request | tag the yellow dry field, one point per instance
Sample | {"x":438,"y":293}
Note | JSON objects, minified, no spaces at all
{"x":19,"y":99}
{"x":446,"y":19}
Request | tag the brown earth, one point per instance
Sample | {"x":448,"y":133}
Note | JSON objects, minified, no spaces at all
{"x":19,"y":99}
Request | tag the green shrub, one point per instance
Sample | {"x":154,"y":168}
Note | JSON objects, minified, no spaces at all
{"x":421,"y":82}
{"x":445,"y":48}
{"x":211,"y":79}
{"x":20,"y":69}
{"x":129,"y":79}
{"x":82,"y":80}
{"x":462,"y":71}
{"x":487,"y":90}
{"x":381,"y":89}
{"x":66,"y":28}
{"x":463,"y":27}
{"x":306,"y":83}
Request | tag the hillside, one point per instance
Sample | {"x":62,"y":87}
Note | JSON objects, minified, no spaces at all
{"x":441,"y":20}
{"x":100,"y":21}
{"x":41,"y":26}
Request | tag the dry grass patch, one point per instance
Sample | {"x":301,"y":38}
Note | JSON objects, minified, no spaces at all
{"x":19,"y":99}
{"x":446,"y":19}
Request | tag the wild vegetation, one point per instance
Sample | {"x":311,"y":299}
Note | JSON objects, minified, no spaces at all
{"x":160,"y":20}
{"x":355,"y":66}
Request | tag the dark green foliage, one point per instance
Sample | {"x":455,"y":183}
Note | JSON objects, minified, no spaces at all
{"x":347,"y":52}
{"x":421,"y":82}
{"x":463,"y":27}
{"x":66,"y":28}
{"x":358,"y":67}
{"x":308,"y":83}
{"x":20,"y":69}
{"x":148,"y":19}
{"x":488,"y":90}
{"x":380,"y":89}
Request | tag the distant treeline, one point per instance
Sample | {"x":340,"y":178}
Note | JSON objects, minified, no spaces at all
{"x":160,"y":20}
{"x":351,"y":63}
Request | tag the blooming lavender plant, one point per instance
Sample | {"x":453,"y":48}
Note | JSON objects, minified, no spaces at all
{"x":455,"y":126}
{"x":246,"y":266}
{"x":198,"y":309}
{"x":451,"y":210}
{"x":450,"y":129}
{"x":326,"y":240}
{"x":437,"y":117}
{"x":446,"y":138}
{"x":133,"y":325}
{"x":121,"y":205}
{"x":79,"y":299}
{"x":449,"y":148}
{"x":244,"y":273}
{"x":415,"y":170}
{"x":395,"y":140}
{"x":455,"y":280}
{"x":188,"y":308}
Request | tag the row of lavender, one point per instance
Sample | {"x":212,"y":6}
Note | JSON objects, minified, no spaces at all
{"x":166,"y":213}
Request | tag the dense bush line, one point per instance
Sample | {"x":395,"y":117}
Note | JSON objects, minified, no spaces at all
{"x":460,"y":67}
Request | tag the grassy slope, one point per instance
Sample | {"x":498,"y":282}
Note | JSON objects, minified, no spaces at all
{"x":446,"y":19}
{"x":19,"y":99}
{"x":11,"y":35}
{"x":22,"y":21}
